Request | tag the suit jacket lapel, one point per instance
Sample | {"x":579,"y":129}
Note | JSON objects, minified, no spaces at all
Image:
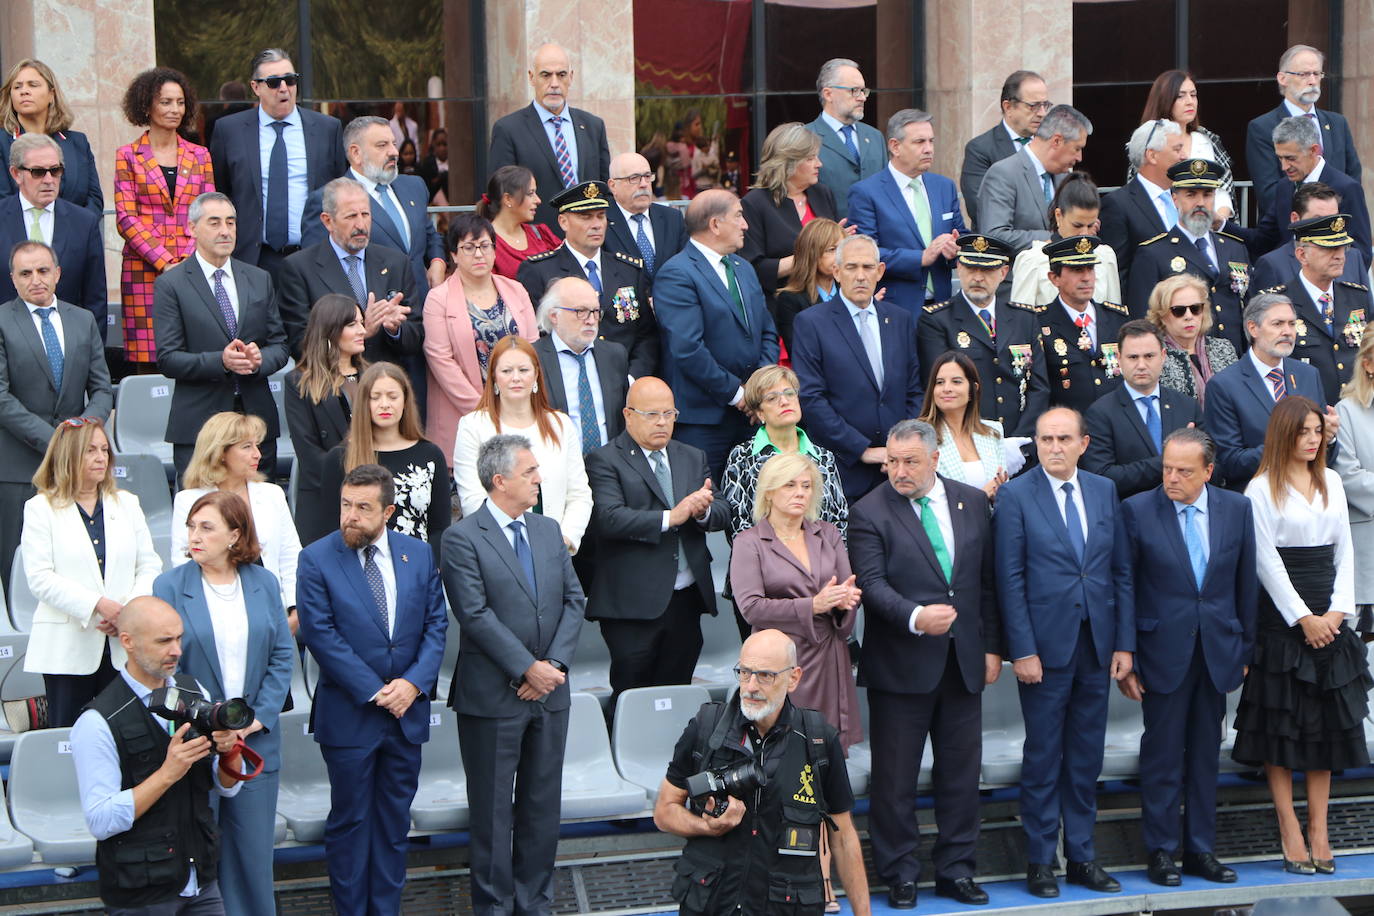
{"x":900,"y":205}
{"x":496,"y":537}
{"x":1034,"y":184}
{"x":1258,"y":386}
{"x":197,"y":614}
{"x":1307,"y":309}
{"x":1136,"y":195}
{"x":958,"y":523}
{"x":1132,"y":412}
{"x":831,"y":139}
{"x":379,"y":277}
{"x":1168,"y":524}
{"x":333,"y":273}
{"x":844,"y":327}
{"x":713,"y":281}
{"x":352,"y":570}
{"x":74,"y":341}
{"x":774,"y":545}
{"x":252,"y":152}
{"x":540,"y":136}
{"x":1049,"y":506}
{"x":255,"y":596}
{"x":907,"y":515}
{"x":400,"y":562}
{"x":623,"y":235}
{"x":552,"y":367}
{"x":967,"y":320}
{"x":633,"y":456}
{"x":381,"y":219}
{"x":143,"y":156}
{"x":196,"y":278}
{"x":588,"y":156}
{"x":29,"y":331}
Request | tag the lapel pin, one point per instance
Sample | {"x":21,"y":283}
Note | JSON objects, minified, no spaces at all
{"x":384,"y":270}
{"x":960,"y":507}
{"x":405,"y":559}
{"x":411,"y":202}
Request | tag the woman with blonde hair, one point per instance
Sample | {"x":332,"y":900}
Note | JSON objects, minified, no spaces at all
{"x":226,"y":460}
{"x":812,"y":278}
{"x":971,"y":448}
{"x":33,"y":103}
{"x":1355,"y":463}
{"x":87,"y":552}
{"x":1180,"y":307}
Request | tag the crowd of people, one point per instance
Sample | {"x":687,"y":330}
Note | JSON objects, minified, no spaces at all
{"x":1102,"y":438}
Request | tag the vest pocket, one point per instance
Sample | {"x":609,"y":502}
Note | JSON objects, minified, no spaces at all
{"x":138,"y":866}
{"x":694,"y":883}
{"x":789,"y":894}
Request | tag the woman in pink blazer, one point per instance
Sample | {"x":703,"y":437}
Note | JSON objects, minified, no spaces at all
{"x":156,"y":178}
{"x":464,"y":318}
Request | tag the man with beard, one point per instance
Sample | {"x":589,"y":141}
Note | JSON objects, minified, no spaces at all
{"x":850,"y":149}
{"x":1078,"y":335}
{"x":761,"y":851}
{"x":1218,"y":258}
{"x":636,"y":226}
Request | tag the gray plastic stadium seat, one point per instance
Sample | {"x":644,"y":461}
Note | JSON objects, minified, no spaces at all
{"x":22,"y":602}
{"x":17,"y":684}
{"x":1004,"y":731}
{"x":1125,"y":725}
{"x":44,"y":802}
{"x":859,"y":763}
{"x":15,"y":848}
{"x":114,"y":327}
{"x":720,"y":635}
{"x":591,"y":786}
{"x":441,"y":803}
{"x":286,"y":449}
{"x":303,"y":798}
{"x":590,"y":671}
{"x":144,"y":476}
{"x":279,"y":832}
{"x":648,"y":722}
{"x":142,"y":403}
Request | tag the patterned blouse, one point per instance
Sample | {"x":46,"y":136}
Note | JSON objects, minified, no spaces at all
{"x":489,"y":326}
{"x":741,"y":479}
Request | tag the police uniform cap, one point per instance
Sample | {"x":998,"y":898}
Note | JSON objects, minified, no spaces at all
{"x":1202,"y":174}
{"x":1324,"y":231}
{"x":978,"y":250}
{"x":580,"y":198}
{"x":1074,"y":251}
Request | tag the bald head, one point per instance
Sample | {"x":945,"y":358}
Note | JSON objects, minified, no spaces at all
{"x":145,"y":613}
{"x":551,"y":76}
{"x":632,"y":182}
{"x":767,"y":656}
{"x":769,"y":649}
{"x":649,"y":413}
{"x":150,"y":632}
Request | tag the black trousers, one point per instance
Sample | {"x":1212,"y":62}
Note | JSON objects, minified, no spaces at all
{"x":69,"y":693}
{"x":12,"y":499}
{"x":663,"y":650}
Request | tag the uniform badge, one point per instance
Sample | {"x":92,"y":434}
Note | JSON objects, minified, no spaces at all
{"x":1240,"y":277}
{"x":1045,"y":331}
{"x":1111,"y":360}
{"x":1338,"y":224}
{"x":1198,"y":167}
{"x":626,"y":304}
{"x":1177,"y":265}
{"x":980,"y":244}
{"x":1354,"y":329}
{"x":1060,"y":347}
{"x":1020,"y":359}
{"x":1300,"y":327}
{"x":963,"y":339}
{"x":1083,"y":247}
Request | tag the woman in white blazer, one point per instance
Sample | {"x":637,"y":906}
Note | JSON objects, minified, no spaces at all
{"x":1355,"y":463}
{"x":513,"y":402}
{"x":226,"y":458}
{"x":971,"y":449}
{"x":87,"y":551}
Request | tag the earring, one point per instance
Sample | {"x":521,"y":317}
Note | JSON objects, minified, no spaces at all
{"x":534,"y":389}
{"x":496,"y":390}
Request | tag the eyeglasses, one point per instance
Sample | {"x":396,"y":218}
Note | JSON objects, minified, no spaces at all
{"x":636,"y":178}
{"x":1159,"y":122}
{"x":1306,"y":74}
{"x":1037,"y":106}
{"x":470,"y":249}
{"x":858,"y":92}
{"x":581,"y":314}
{"x":78,"y":422}
{"x":773,"y":397}
{"x":40,"y":172}
{"x":274,"y":82}
{"x":765,"y":678}
{"x":1178,"y":311}
{"x":653,"y":416}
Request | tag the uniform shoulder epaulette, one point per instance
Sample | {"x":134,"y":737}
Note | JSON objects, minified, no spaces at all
{"x":1040,"y":309}
{"x":1154,"y":239}
{"x":622,"y":256}
{"x":1353,"y":285}
{"x":1024,"y":306}
{"x":543,"y":255}
{"x":934,"y":307}
{"x":1274,"y":289}
{"x":1231,"y":235}
{"x":1115,"y":307}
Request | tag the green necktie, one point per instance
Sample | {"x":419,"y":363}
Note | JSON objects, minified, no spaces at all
{"x":731,"y":282}
{"x":36,"y":227}
{"x":937,"y":540}
{"x":923,"y":221}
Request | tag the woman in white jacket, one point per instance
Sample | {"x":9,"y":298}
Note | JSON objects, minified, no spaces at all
{"x":87,"y":551}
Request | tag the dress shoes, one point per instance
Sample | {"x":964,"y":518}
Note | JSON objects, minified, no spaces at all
{"x":1162,"y":870}
{"x":962,"y":890}
{"x":1205,"y":865}
{"x":902,"y":895}
{"x":1091,"y":876}
{"x":1040,"y":881}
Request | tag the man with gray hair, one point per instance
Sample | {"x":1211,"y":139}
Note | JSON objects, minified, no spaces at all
{"x":1300,"y":83}
{"x":1024,"y":101}
{"x":511,"y":585}
{"x":1142,"y":208}
{"x":269,"y":158}
{"x":1014,"y":199}
{"x":850,"y":149}
{"x":398,"y":202}
{"x":585,"y":375}
{"x":1241,"y":396}
{"x":912,"y":213}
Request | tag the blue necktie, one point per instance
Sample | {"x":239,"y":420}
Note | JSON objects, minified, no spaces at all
{"x":586,"y":407}
{"x":373,"y":574}
{"x":51,"y":345}
{"x":384,"y":199}
{"x":1207,"y":256}
{"x":278,"y":199}
{"x":986,"y":318}
{"x":1048,"y":182}
{"x":1170,"y":211}
{"x":1072,"y":522}
{"x":594,"y":276}
{"x":848,"y":131}
{"x":355,"y":280}
{"x":1192,"y":538}
{"x":522,"y":553}
{"x":560,"y":153}
{"x":646,"y":248}
{"x":1152,"y":423}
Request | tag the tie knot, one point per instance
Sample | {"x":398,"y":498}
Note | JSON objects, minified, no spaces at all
{"x":352,"y":260}
{"x":1275,"y":375}
{"x":591,"y":265}
{"x":847,"y":130}
{"x":923,"y":500}
{"x":638,"y":217}
{"x":381,"y":188}
{"x":517,"y":526}
{"x":1067,"y":488}
{"x":556,"y":121}
{"x":46,"y":313}
{"x":915,"y":185}
{"x":1190,"y":512}
{"x":370,"y":550}
{"x":218,"y":275}
{"x":1022,"y":141}
{"x":279,"y":126}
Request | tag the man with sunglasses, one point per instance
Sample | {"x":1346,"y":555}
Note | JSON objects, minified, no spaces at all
{"x":1025,"y":100}
{"x":850,"y":149}
{"x":268,"y":159}
{"x":1143,"y":207}
{"x":637,"y":226}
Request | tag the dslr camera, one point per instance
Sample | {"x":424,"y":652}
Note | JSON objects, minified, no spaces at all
{"x":720,"y":784}
{"x":205,"y":715}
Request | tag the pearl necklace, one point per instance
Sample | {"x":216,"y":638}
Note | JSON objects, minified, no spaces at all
{"x":220,"y":591}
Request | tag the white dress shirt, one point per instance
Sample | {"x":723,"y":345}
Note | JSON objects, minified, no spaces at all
{"x":1316,"y":293}
{"x":384,"y":564}
{"x":55,"y":318}
{"x":1091,"y":311}
{"x":1157,"y":197}
{"x":909,"y":195}
{"x":1316,"y":173}
{"x":229,"y":620}
{"x":373,"y":193}
{"x":566,"y":128}
{"x":633,"y":225}
{"x":568,"y":363}
{"x":717,"y":262}
{"x":939,"y":504}
{"x":46,"y":216}
{"x":1142,"y":404}
{"x":1059,"y":496}
{"x":1298,"y":523}
{"x":297,"y":169}
{"x":228,"y":280}
{"x":1264,"y":371}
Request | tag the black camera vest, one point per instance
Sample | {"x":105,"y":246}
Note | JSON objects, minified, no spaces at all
{"x":151,"y":861}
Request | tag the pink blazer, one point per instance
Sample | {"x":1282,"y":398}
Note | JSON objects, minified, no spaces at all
{"x":455,"y":376}
{"x":151,"y":217}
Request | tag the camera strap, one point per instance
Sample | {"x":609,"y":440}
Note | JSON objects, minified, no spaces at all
{"x":226,"y":762}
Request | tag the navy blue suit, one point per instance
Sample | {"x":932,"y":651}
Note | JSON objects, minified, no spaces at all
{"x":1281,"y":266}
{"x":667,"y":225}
{"x":1073,"y":614}
{"x":1236,"y":413}
{"x":1338,"y":149}
{"x":1192,"y":645}
{"x":708,"y":352}
{"x":373,"y":758}
{"x":80,"y":178}
{"x":844,"y":408}
{"x":1272,"y":231}
{"x":80,"y":253}
{"x":878,"y":207}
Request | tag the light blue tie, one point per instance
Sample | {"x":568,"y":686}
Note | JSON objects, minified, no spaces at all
{"x":384,"y":199}
{"x":594,"y":277}
{"x":868,"y":333}
{"x":51,"y":345}
{"x":1192,"y":539}
{"x":1170,"y":211}
{"x":1152,"y":423}
{"x":1048,"y":182}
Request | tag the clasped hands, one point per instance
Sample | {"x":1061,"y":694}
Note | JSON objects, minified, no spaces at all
{"x":386,"y":314}
{"x":844,"y":596}
{"x":241,"y":358}
{"x":541,"y":679}
{"x":1321,"y":629}
{"x":693,"y":505}
{"x":395,"y":696}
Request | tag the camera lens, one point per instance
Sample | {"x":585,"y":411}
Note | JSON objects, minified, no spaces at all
{"x":232,"y":715}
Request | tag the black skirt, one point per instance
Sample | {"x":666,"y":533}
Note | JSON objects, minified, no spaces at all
{"x":1304,"y":708}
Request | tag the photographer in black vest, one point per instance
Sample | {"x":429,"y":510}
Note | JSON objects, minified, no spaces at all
{"x":749,"y":786}
{"x":145,"y":783}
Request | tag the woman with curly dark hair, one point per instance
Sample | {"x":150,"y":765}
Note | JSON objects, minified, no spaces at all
{"x":156,"y":178}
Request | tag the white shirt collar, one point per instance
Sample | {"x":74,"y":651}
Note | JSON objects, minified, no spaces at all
{"x":1260,"y":367}
{"x":1316,"y":173}
{"x":33,"y":309}
{"x":25,"y":205}
{"x":1090,"y":310}
{"x":1200,"y":502}
{"x":545,"y":114}
{"x":630,"y":218}
{"x":835,"y":123}
{"x":1294,"y":110}
{"x":903,"y":180}
{"x":854,"y":310}
{"x":1150,"y":187}
{"x":502,"y":518}
{"x":1315,"y":292}
{"x":561,"y":346}
{"x":991,"y":306}
{"x":342,"y":253}
{"x":1137,"y":396}
{"x":1039,"y":166}
{"x":713,"y":257}
{"x":1056,"y":484}
{"x":209,"y":269}
{"x":368,"y":184}
{"x":937,"y":494}
{"x":1015,"y":137}
{"x":383,"y":545}
{"x":294,"y":118}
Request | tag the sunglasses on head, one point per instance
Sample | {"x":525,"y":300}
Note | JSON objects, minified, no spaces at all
{"x":1179,"y":311}
{"x":41,"y":172}
{"x":78,"y":422}
{"x":274,"y":82}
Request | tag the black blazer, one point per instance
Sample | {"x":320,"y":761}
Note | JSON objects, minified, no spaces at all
{"x":773,"y":230}
{"x":80,"y":253}
{"x":191,"y":337}
{"x":313,"y":272}
{"x":1078,"y":377}
{"x":895,"y":566}
{"x":520,"y":139}
{"x":1128,"y":218}
{"x":1333,"y":355}
{"x":636,"y":563}
{"x":612,"y":370}
{"x":1338,"y":149}
{"x":1119,"y":446}
{"x":80,"y":178}
{"x":670,"y":235}
{"x":990,"y":146}
{"x":315,"y":429}
{"x":237,"y":158}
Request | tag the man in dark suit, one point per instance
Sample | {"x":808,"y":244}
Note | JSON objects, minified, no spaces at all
{"x":398,"y":202}
{"x":561,"y":145}
{"x":1241,"y":396}
{"x":372,"y":614}
{"x":1127,"y":427}
{"x":1220,"y":259}
{"x":1315,"y":198}
{"x":302,"y":149}
{"x":1014,"y":198}
{"x":932,"y":640}
{"x":618,"y":278}
{"x":912,"y":213}
{"x":1025,"y":100}
{"x":219,"y":334}
{"x":1077,"y":333}
{"x":1064,"y":580}
{"x":37,"y":214}
{"x":1300,"y":84}
{"x":52,"y":368}
{"x":715,"y":327}
{"x":636,"y":226}
{"x":1193,"y":563}
{"x":511,"y":585}
{"x":850,"y":149}
{"x":1143,"y":207}
{"x":587,"y":377}
{"x":855,"y":358}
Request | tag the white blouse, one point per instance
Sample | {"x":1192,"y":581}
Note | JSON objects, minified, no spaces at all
{"x":272,"y":521}
{"x":1299,"y":523}
{"x":229,"y":619}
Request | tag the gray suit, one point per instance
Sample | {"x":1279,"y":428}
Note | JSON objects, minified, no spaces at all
{"x":1011,"y":202}
{"x":838,"y":169}
{"x":31,"y":406}
{"x":993,"y":145}
{"x":509,"y":744}
{"x":1355,"y":463}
